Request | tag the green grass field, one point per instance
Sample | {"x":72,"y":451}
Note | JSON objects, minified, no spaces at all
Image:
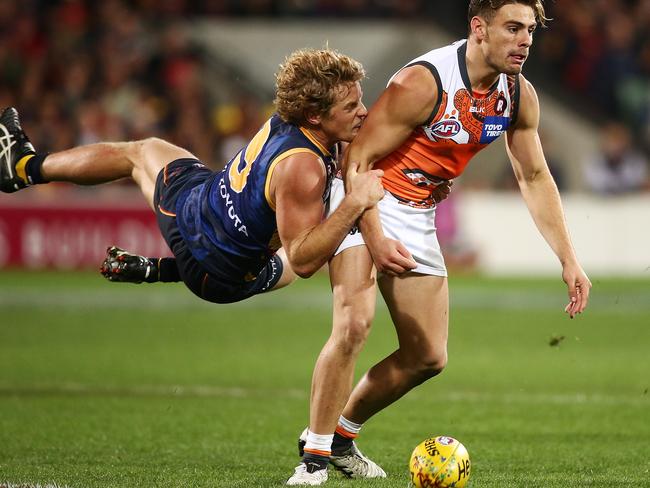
{"x":110,"y":385}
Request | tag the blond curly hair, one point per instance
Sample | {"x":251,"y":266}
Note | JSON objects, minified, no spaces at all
{"x":308,"y":82}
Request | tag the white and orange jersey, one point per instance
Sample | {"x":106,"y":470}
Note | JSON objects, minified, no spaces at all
{"x":461,"y":124}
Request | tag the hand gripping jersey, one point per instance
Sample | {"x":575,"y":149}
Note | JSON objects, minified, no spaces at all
{"x":461,"y":124}
{"x":228,"y":222}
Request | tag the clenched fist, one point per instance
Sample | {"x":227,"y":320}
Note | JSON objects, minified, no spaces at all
{"x":365,"y":188}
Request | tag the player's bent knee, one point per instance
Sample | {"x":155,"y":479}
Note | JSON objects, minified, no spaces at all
{"x":137,"y":151}
{"x":352,"y":335}
{"x":154,"y":150}
{"x":357,"y":332}
{"x":429,"y":366}
{"x":149,"y":156}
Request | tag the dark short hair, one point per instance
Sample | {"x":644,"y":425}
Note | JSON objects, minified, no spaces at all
{"x":488,"y":8}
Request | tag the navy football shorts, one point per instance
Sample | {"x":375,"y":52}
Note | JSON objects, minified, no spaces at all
{"x":175,"y":178}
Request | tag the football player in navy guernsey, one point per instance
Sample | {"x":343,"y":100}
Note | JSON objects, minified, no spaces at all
{"x":251,"y":227}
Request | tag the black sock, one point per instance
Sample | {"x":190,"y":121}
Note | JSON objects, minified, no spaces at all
{"x":315,"y":462}
{"x":340,"y":444}
{"x":33,"y":169}
{"x":165,"y":270}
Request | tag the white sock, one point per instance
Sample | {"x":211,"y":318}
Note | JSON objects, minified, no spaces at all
{"x":319,"y":444}
{"x":349,"y":426}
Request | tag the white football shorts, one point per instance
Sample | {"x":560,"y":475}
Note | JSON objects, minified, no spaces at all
{"x":414,"y":227}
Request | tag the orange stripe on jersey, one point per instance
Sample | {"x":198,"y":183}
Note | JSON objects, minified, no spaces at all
{"x":413,"y":170}
{"x":166,"y":212}
{"x":315,"y":141}
{"x":165,"y":175}
{"x":348,"y":435}
{"x":318,"y":453}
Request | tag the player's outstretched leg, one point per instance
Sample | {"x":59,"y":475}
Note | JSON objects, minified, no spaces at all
{"x":124,"y":267}
{"x":15,"y":151}
{"x":127,"y":267}
{"x":350,"y":461}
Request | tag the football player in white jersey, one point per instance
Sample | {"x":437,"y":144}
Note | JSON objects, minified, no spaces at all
{"x":426,"y":110}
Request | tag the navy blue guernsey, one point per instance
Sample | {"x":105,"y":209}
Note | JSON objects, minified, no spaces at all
{"x":228,"y":222}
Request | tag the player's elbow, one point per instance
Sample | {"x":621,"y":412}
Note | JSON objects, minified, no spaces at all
{"x":304,"y":260}
{"x":305,"y":270}
{"x":303,"y":273}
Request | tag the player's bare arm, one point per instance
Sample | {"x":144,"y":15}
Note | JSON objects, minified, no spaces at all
{"x":297,"y":189}
{"x":542,"y":196}
{"x":405,"y":104}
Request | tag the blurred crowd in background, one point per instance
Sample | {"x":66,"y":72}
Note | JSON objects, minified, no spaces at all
{"x":600,"y":50}
{"x":82,"y":72}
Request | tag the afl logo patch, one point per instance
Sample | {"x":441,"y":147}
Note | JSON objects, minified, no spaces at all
{"x":445,"y":129}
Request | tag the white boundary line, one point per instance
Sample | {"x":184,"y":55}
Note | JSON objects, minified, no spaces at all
{"x":30,"y":485}
{"x":126,"y":296}
{"x":208,"y":391}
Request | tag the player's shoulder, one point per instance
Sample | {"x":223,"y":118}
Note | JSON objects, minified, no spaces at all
{"x":526,"y":90}
{"x":303,"y":162}
{"x":528,"y":112}
{"x":415,"y":82}
{"x":422,"y":76}
{"x":300,"y":176}
{"x":444,"y":55}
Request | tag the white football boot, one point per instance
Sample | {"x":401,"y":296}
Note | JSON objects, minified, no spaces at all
{"x":303,"y":477}
{"x":352,"y":462}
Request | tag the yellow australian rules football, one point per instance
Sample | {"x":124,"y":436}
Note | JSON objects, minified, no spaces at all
{"x":439,"y":462}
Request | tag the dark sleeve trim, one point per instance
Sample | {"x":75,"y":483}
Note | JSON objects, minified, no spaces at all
{"x":435,"y":74}
{"x":515,"y":103}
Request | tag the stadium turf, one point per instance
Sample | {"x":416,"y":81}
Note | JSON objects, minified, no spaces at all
{"x":113,"y":385}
